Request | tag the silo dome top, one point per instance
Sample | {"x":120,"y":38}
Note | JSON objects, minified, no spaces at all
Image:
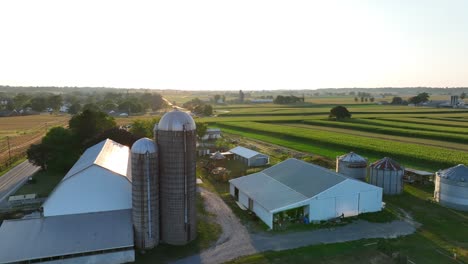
{"x":386,"y":164}
{"x":176,"y":121}
{"x":352,"y":157}
{"x":456,"y":173}
{"x":144,"y":145}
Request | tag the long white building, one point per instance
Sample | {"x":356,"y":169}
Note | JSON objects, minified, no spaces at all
{"x":86,"y":219}
{"x":293,"y":184}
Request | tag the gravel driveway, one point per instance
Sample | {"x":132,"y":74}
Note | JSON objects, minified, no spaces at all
{"x":235,"y":241}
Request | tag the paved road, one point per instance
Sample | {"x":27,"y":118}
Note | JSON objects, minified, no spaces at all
{"x":236,"y":241}
{"x":15,"y":178}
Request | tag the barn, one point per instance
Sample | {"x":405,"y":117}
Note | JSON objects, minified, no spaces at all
{"x":308,"y":191}
{"x":81,"y":216}
{"x":102,"y":169}
{"x":250,"y":157}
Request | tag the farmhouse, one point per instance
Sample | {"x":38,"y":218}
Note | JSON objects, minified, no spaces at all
{"x":314,"y":193}
{"x":250,"y":157}
{"x":80,"y":217}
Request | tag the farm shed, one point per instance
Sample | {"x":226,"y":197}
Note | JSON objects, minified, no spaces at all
{"x":83,"y":238}
{"x":413,"y":175}
{"x":250,"y":157}
{"x":99,"y":181}
{"x":315,"y":192}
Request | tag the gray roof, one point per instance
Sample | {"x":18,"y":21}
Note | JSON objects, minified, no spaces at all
{"x":456,"y":173}
{"x":107,"y":154}
{"x":270,"y":193}
{"x":34,"y":238}
{"x":286,"y":183}
{"x":352,"y":157}
{"x":176,"y":121}
{"x":144,"y":145}
{"x":245,"y":152}
{"x":305,"y":178}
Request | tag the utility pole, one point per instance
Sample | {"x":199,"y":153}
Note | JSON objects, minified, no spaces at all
{"x":9,"y":151}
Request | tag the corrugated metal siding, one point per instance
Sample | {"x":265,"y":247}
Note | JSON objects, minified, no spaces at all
{"x":175,"y":207}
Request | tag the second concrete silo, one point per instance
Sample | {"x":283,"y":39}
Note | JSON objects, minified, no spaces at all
{"x":388,"y":174}
{"x":352,"y":165}
{"x":176,"y":139}
{"x":145,"y":193}
{"x":451,"y":187}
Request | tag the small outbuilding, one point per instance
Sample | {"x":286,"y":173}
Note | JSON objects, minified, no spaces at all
{"x":308,"y":191}
{"x":250,"y":157}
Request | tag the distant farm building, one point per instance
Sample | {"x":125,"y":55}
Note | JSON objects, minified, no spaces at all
{"x":212,"y":133}
{"x":451,"y":187}
{"x":310,"y":191}
{"x":250,"y":157}
{"x":261,"y":101}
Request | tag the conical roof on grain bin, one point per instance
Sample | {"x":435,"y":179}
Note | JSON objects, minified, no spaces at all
{"x":386,"y":164}
{"x":456,"y":173}
{"x":352,"y":157}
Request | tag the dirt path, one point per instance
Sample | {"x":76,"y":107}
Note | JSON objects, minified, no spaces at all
{"x":236,"y":241}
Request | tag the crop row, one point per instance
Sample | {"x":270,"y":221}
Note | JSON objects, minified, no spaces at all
{"x":380,"y":129}
{"x":397,"y":123}
{"x":330,"y":144}
{"x":438,"y":121}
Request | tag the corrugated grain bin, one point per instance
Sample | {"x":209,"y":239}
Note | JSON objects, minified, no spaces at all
{"x":451,"y":187}
{"x":145,"y":193}
{"x":387,"y":174}
{"x":352,"y":165}
{"x":176,"y":136}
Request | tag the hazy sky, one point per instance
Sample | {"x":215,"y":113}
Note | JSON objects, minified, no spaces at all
{"x":241,"y":44}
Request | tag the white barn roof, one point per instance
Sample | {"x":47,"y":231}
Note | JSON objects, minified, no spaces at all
{"x":28,"y":239}
{"x":104,"y":172}
{"x":245,"y":152}
{"x":107,"y":154}
{"x":291,"y":181}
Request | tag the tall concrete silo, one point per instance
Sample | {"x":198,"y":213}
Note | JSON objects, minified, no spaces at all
{"x":352,"y":165}
{"x":388,"y":174}
{"x":145,"y":193}
{"x":451,"y":187}
{"x":176,"y":139}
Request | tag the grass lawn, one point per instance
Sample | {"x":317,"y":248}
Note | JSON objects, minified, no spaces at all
{"x":45,"y":182}
{"x":207,"y":233}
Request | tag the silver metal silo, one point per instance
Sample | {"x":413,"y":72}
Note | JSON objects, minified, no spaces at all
{"x":451,"y":187}
{"x":387,"y":174}
{"x":176,"y":139}
{"x":352,"y":165}
{"x":145,"y":193}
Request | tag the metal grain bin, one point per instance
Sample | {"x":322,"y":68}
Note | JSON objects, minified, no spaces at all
{"x":352,"y":165}
{"x":145,"y":193}
{"x":176,"y":136}
{"x":387,"y":174}
{"x":451,"y":187}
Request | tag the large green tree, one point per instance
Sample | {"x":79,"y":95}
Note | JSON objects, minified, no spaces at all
{"x":89,"y":124}
{"x":340,"y":112}
{"x":58,"y":150}
{"x":143,"y":128}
